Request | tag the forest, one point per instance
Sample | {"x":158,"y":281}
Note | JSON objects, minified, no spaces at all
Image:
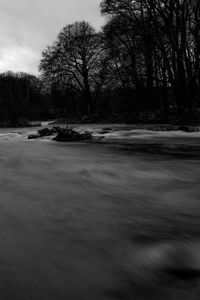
{"x":143,"y":66}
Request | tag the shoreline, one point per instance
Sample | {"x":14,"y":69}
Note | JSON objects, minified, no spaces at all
{"x":189,"y":128}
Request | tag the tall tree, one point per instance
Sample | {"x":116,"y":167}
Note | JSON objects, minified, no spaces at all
{"x":74,"y":58}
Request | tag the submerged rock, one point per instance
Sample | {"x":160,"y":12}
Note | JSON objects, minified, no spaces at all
{"x":33,"y":136}
{"x":107,"y":129}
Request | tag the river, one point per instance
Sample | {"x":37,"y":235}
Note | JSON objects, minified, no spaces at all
{"x":99,"y":220}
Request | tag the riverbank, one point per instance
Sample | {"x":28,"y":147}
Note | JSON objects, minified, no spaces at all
{"x":145,"y":126}
{"x":20,"y":124}
{"x":151,"y":118}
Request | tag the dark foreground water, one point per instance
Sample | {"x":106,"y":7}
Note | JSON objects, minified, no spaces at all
{"x":99,"y":221}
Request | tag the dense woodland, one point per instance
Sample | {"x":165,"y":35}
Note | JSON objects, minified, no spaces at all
{"x":143,"y":66}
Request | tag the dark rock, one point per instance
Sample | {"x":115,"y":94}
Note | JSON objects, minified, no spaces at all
{"x":56,"y":129}
{"x":70,"y":135}
{"x":188,"y":128}
{"x":107,"y":129}
{"x":45,"y":132}
{"x":33,"y":136}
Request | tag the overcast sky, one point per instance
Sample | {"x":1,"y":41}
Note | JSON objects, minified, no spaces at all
{"x":28,"y":26}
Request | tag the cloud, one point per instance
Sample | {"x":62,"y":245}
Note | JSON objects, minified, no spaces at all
{"x":27,"y":26}
{"x":19,"y":59}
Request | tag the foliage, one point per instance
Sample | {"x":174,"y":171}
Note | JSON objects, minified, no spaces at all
{"x":20,"y":97}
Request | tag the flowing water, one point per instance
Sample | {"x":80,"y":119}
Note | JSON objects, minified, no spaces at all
{"x":99,"y":220}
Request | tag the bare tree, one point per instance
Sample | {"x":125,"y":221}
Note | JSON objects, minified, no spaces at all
{"x":165,"y":37}
{"x":74,"y":58}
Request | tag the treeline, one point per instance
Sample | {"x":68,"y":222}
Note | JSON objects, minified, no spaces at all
{"x":154,"y":46}
{"x":22,"y":99}
{"x":143,"y":66}
{"x":145,"y":60}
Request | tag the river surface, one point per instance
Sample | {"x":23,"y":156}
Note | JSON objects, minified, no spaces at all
{"x":99,"y":220}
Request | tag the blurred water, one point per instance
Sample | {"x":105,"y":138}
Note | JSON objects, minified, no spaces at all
{"x":99,"y":220}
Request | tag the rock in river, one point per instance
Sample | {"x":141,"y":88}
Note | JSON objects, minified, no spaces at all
{"x":33,"y":136}
{"x":44,"y":132}
{"x":70,"y":135}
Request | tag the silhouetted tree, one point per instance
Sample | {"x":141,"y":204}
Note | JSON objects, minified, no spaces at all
{"x":147,"y":58}
{"x":74,"y":58}
{"x":160,"y":41}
